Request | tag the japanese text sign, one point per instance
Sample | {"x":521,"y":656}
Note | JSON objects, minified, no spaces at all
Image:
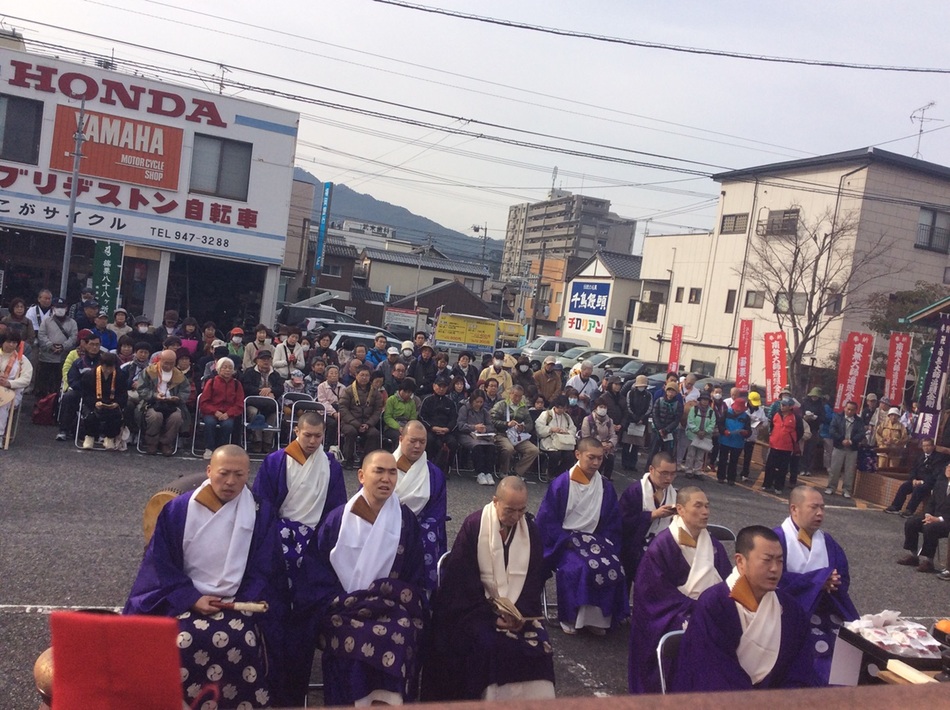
{"x":854,"y":365}
{"x":935,"y":383}
{"x":107,"y":269}
{"x":776,"y":367}
{"x":898,"y":358}
{"x":676,"y":344}
{"x":744,"y":358}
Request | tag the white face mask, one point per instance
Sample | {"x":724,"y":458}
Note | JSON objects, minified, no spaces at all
{"x":524,"y":368}
{"x":717,"y":396}
{"x":237,"y":339}
{"x":499,"y":363}
{"x":601,"y":411}
{"x":641,"y":388}
{"x":59,"y":312}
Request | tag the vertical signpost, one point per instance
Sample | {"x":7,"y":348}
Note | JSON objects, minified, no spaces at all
{"x":676,"y":344}
{"x":744,"y":361}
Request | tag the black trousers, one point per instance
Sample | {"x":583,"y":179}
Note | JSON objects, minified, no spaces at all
{"x":728,"y":463}
{"x":916,"y":493}
{"x":932,"y":534}
{"x":747,"y":457}
{"x":434,"y":449}
{"x":776,"y":468}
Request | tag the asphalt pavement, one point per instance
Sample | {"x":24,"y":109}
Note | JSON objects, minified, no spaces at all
{"x":71,"y":536}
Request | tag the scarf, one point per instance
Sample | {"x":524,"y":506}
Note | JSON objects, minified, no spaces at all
{"x":499,"y":581}
{"x":356,"y":393}
{"x":649,"y":505}
{"x":701,"y":558}
{"x":412,"y":484}
{"x":761,"y":631}
{"x":307,"y":483}
{"x":99,"y":385}
{"x":584,"y":501}
{"x":217,"y":542}
{"x":365,"y":552}
{"x":801,"y":559}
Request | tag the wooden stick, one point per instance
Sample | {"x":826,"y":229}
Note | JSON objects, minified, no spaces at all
{"x":250,"y":607}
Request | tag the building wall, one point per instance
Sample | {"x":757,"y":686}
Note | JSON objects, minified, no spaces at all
{"x":298,"y":252}
{"x":402,"y":278}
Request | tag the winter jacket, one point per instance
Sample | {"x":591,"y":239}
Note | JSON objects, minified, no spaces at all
{"x":221,"y":395}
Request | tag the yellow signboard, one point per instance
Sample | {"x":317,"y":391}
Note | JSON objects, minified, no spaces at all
{"x":465,"y":333}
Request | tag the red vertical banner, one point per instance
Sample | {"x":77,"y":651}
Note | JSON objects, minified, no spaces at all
{"x":854,"y":366}
{"x":676,"y":343}
{"x":745,"y":354}
{"x":898,"y":358}
{"x":776,"y":365}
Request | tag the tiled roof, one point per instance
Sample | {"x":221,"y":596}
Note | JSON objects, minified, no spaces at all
{"x":407,"y":259}
{"x":342,"y":250}
{"x":621,"y":266}
{"x":367,"y":295}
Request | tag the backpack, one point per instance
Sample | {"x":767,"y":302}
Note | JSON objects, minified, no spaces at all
{"x":44,"y":411}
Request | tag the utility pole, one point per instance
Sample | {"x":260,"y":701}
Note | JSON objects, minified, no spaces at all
{"x":420,"y":250}
{"x":537,"y":294}
{"x":73,"y":192}
{"x":484,"y":230}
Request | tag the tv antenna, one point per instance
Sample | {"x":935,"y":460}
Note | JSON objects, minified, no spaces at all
{"x":918,"y":116}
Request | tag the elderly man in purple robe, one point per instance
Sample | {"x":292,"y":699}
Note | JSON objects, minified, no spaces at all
{"x":301,"y":484}
{"x":420,"y":487}
{"x":681,"y":563}
{"x":210,"y":548}
{"x":816,"y":573}
{"x":364,"y":581}
{"x":746,"y":633}
{"x":580,"y":525}
{"x":646,"y":508}
{"x":481,"y":648}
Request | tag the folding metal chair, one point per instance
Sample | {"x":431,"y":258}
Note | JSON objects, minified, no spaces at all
{"x":263,"y":405}
{"x":140,"y":437}
{"x":721,"y":533}
{"x":288,"y":421}
{"x":666,"y":653}
{"x":199,"y":425}
{"x":13,"y":423}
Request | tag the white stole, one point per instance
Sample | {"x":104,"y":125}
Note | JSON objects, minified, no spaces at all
{"x":584,"y":501}
{"x":761,"y":634}
{"x":801,"y":560}
{"x":701,"y":559}
{"x":413,"y":487}
{"x":307,"y":485}
{"x":216,"y":545}
{"x":499,"y":581}
{"x":365,"y":552}
{"x":669,"y":498}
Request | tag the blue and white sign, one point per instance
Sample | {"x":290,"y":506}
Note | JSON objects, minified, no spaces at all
{"x":589,"y":298}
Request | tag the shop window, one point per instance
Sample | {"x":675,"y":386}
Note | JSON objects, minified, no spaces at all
{"x":21,"y":121}
{"x":220,"y":167}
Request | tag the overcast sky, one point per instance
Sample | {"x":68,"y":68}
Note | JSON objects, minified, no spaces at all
{"x":720,"y":113}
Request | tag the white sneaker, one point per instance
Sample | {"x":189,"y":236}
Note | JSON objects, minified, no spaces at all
{"x":88,"y":442}
{"x":206,"y":455}
{"x":485,"y":479}
{"x":108,"y":443}
{"x":846,"y":494}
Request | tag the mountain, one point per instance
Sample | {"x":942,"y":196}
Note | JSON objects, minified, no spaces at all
{"x":349,"y":204}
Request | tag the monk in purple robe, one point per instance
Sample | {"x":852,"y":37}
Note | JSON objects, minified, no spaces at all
{"x":421,"y":488}
{"x":646,"y":508}
{"x":364,"y":581}
{"x":816,"y":574}
{"x":217,"y":545}
{"x":745,"y":633}
{"x":479,"y":649}
{"x":681,"y":563}
{"x":580,"y":524}
{"x":301,"y":485}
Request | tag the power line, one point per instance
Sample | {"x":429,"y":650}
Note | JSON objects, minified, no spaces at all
{"x":657,"y":45}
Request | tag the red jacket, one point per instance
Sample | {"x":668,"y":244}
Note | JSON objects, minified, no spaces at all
{"x":784,"y":434}
{"x":220,"y":395}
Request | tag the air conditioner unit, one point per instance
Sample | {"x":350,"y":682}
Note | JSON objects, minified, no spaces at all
{"x":619,"y":324}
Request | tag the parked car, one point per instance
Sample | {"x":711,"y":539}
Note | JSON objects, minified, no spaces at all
{"x":604,"y":364}
{"x":638,"y":367}
{"x":314,"y":315}
{"x":545,"y":345}
{"x":569,"y":357}
{"x":360,"y":337}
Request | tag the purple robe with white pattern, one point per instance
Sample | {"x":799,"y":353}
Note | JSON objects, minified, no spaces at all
{"x":466,"y":653}
{"x":826,"y":611}
{"x":659,"y":606}
{"x":432,"y":519}
{"x":236,"y":660}
{"x":369,"y":637}
{"x":708,"y":659}
{"x":297,"y":651}
{"x":587,"y":565}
